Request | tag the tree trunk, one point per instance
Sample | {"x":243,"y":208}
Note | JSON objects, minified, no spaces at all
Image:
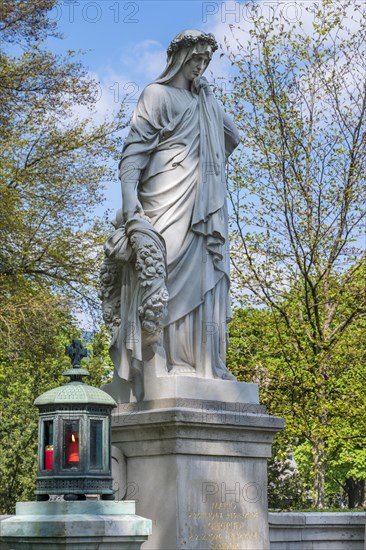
{"x":319,"y":473}
{"x":355,"y":492}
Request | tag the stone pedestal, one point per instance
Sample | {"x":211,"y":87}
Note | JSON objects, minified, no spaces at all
{"x":198,"y":468}
{"x":93,"y":525}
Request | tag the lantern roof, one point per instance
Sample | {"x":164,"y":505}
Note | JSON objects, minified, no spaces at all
{"x":76,"y":391}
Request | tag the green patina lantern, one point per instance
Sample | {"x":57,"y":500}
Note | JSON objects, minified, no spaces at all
{"x":74,"y":445}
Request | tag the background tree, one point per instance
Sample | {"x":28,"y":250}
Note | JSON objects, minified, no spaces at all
{"x":31,"y":364}
{"x":52,"y":172}
{"x":298,"y":202}
{"x":53,"y":164}
{"x":261,"y":351}
{"x":31,"y":361}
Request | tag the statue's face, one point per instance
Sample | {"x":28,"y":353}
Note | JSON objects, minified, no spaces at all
{"x":195,"y":66}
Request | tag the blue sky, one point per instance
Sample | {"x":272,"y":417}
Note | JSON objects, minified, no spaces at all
{"x":125,"y":44}
{"x":125,"y":49}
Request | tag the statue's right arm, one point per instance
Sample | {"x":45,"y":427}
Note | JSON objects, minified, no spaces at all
{"x":147,"y":121}
{"x":129,"y":177}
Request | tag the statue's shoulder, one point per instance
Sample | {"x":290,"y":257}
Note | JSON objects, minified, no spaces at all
{"x":155,"y":92}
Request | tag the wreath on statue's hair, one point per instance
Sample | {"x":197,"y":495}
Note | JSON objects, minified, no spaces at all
{"x":190,"y":39}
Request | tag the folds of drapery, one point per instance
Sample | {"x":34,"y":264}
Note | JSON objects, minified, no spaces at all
{"x":177,"y":143}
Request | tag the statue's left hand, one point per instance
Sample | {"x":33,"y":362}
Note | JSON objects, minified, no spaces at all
{"x":201,"y":82}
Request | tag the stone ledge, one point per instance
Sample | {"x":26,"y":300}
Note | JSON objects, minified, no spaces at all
{"x":82,"y":525}
{"x":95,"y":507}
{"x":193,"y":431}
{"x":204,"y":413}
{"x":317,"y":530}
{"x":209,"y":405}
{"x":317,"y":518}
{"x":184,"y":387}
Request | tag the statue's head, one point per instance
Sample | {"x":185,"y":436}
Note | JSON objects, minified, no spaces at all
{"x":187,"y":45}
{"x":192,"y":41}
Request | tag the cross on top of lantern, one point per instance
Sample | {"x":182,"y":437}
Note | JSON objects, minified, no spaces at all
{"x":74,"y":436}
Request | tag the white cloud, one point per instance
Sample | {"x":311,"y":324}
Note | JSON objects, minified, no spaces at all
{"x":141,"y":62}
{"x":138,"y":64}
{"x":231,"y":22}
{"x":146,"y":58}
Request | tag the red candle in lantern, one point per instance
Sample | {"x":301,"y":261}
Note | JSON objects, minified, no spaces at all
{"x":73,"y":451}
{"x":49,"y":457}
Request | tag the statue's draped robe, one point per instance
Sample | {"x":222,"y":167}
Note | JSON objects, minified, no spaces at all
{"x":179,"y":141}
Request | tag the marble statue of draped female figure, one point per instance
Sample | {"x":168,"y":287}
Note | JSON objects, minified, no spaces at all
{"x":170,"y":249}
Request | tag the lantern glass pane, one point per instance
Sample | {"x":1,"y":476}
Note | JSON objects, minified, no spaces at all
{"x":48,"y":444}
{"x":71,"y":454}
{"x":96,"y":444}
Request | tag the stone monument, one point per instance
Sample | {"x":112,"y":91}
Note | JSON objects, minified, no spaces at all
{"x":192,"y":440}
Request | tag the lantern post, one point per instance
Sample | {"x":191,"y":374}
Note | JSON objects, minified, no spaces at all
{"x":74,"y":447}
{"x":74,"y":460}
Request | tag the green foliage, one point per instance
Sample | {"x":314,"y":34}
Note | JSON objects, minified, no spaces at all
{"x":52,"y":171}
{"x":54,"y":164}
{"x":298,"y":198}
{"x":31,"y":362}
{"x":99,"y":363}
{"x":262,"y":351}
{"x":26,"y":21}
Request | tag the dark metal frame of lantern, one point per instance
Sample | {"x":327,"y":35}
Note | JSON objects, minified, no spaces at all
{"x":74,"y":449}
